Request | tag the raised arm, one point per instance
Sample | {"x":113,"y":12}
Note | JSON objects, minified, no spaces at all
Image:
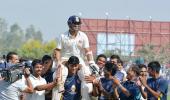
{"x":29,"y":88}
{"x":48,"y":86}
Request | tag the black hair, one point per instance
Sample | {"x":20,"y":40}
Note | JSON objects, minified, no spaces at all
{"x":114,"y":57}
{"x":142,"y":66}
{"x":135,"y":68}
{"x":73,"y":60}
{"x":120,"y":61}
{"x":155,"y":65}
{"x":35,"y":62}
{"x":45,"y":58}
{"x":111,"y":67}
{"x":101,"y":55}
{"x":9,"y":56}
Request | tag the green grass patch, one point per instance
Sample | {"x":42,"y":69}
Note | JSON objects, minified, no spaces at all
{"x":168,"y":97}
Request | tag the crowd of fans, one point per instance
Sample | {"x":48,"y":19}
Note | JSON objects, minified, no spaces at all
{"x":41,"y":80}
{"x":72,"y":74}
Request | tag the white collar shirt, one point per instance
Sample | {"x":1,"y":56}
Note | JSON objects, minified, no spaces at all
{"x":37,"y":95}
{"x":12,"y":91}
{"x":72,"y":46}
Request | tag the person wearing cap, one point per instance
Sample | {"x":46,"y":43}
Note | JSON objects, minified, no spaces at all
{"x":75,"y":43}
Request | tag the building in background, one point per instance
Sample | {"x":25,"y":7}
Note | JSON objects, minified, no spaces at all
{"x":126,"y":36}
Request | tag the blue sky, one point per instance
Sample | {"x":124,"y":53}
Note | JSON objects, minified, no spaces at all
{"x":50,"y":16}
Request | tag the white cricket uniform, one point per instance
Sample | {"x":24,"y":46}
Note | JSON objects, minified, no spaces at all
{"x":70,"y":46}
{"x":37,"y":95}
{"x":12,"y":91}
{"x":56,"y":93}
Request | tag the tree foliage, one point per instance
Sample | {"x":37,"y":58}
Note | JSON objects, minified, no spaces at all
{"x":27,"y":43}
{"x":151,"y":52}
{"x":36,"y":49}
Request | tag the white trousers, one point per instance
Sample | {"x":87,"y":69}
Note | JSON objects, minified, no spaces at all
{"x":86,"y":88}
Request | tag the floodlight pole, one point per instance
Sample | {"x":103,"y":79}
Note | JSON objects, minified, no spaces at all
{"x":106,"y":30}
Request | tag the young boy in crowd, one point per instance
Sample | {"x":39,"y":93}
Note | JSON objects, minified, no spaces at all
{"x":72,"y":85}
{"x":120,"y":73}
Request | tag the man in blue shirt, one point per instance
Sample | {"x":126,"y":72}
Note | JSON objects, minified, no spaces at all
{"x":129,"y":90}
{"x":47,"y":73}
{"x":72,"y":84}
{"x":12,"y":58}
{"x":156,"y":87}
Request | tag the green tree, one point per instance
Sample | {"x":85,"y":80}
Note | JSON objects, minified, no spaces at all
{"x":36,"y":49}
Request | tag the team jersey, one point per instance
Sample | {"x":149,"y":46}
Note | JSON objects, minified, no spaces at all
{"x":106,"y":89}
{"x":132,"y":88}
{"x":159,"y":85}
{"x":119,"y":75}
{"x":72,"y":88}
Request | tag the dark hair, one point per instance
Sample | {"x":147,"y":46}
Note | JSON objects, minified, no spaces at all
{"x":45,"y":58}
{"x":73,"y":60}
{"x":111,"y":67}
{"x":135,"y":68}
{"x":9,"y":56}
{"x":142,"y":66}
{"x":101,"y":55}
{"x":114,"y":57}
{"x":35,"y":62}
{"x":155,"y":65}
{"x":120,"y":61}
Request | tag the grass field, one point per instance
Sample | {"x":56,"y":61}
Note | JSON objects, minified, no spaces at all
{"x":168,"y":97}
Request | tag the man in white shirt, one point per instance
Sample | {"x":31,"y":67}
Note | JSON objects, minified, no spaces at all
{"x":39,"y":84}
{"x":14,"y":91}
{"x":76,"y":43}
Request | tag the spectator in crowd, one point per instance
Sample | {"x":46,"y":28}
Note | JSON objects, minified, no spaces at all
{"x":156,"y":87}
{"x":129,"y":90}
{"x":12,"y":58}
{"x":39,"y":84}
{"x":14,"y":91}
{"x":72,"y":84}
{"x":143,"y":73}
{"x":114,"y":59}
{"x":100,"y":61}
{"x":120,"y":73}
{"x":47,"y":73}
{"x":104,"y":88}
